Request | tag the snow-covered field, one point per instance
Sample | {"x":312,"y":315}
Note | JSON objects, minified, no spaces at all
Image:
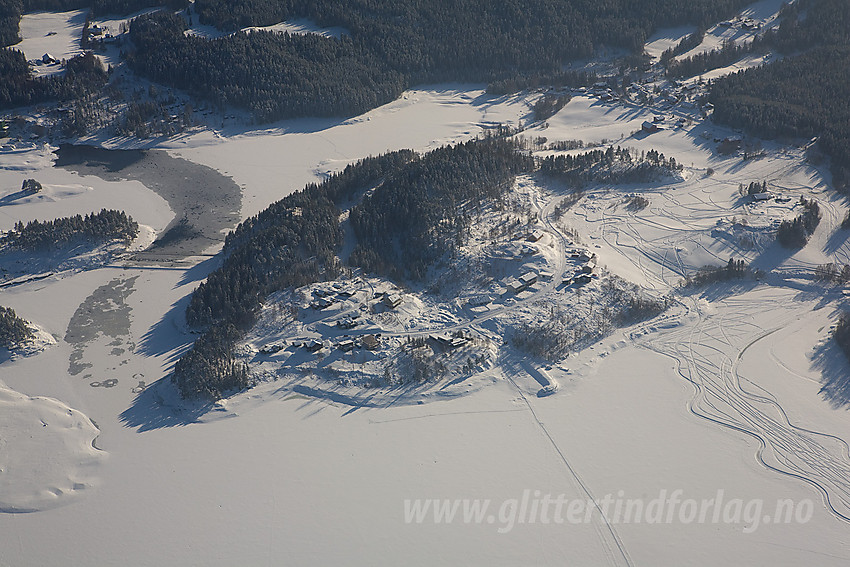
{"x":719,"y":395}
{"x":54,"y":33}
{"x":295,"y":27}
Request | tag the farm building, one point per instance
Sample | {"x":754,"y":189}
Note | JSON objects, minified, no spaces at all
{"x":514,"y":286}
{"x":528,"y":278}
{"x":649,"y":127}
{"x":371,"y":342}
{"x":535,"y":235}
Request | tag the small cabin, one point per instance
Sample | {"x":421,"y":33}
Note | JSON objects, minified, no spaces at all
{"x":515,"y":286}
{"x":535,"y":235}
{"x":528,"y":278}
{"x":479,"y":300}
{"x":370,"y":342}
{"x":346,"y":345}
{"x":321,"y":303}
{"x":392,"y":300}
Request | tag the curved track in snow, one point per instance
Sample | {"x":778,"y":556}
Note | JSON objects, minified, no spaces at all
{"x":708,"y":355}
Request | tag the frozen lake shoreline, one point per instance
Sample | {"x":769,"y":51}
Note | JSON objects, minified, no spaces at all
{"x":206,"y":203}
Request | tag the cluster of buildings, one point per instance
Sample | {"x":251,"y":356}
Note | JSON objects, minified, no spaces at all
{"x":586,"y":269}
{"x":95,"y":34}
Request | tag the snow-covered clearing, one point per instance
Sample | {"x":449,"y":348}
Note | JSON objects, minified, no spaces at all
{"x":54,"y":33}
{"x":301,"y":26}
{"x":32,"y":429}
{"x":751,"y":21}
{"x":665,"y":39}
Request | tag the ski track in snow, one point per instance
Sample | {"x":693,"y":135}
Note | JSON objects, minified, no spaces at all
{"x":708,"y":354}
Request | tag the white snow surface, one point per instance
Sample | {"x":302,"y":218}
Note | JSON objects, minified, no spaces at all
{"x":55,"y":33}
{"x":47,"y":453}
{"x":719,"y":393}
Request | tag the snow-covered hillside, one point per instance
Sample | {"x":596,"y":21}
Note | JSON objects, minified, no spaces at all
{"x":718,"y":397}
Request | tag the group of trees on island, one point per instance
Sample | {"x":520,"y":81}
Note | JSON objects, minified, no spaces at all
{"x":13,"y":330}
{"x":613,"y":165}
{"x":99,"y":227}
{"x":795,"y":233}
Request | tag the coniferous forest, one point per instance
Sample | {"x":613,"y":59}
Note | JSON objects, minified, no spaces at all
{"x":13,"y":329}
{"x":390,"y":46}
{"x":99,"y":227}
{"x":802,"y":96}
{"x":614,"y":165}
{"x":83,"y":74}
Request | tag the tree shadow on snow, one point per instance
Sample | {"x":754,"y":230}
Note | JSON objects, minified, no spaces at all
{"x":150,"y":410}
{"x":167,"y":336}
{"x":836,"y":240}
{"x":835,"y":374}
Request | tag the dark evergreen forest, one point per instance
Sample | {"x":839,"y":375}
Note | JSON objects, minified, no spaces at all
{"x":805,"y":95}
{"x":13,"y":329}
{"x":84,"y":74}
{"x":392,"y":45}
{"x":99,"y":227}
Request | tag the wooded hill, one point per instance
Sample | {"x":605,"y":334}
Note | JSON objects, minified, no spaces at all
{"x":802,"y":96}
{"x":95,"y":228}
{"x":13,"y":329}
{"x":11,"y":11}
{"x":412,"y":216}
{"x":406,"y":211}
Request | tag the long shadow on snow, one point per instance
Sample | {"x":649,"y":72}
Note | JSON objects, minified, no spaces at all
{"x":836,"y":240}
{"x":149,"y":410}
{"x":200,"y":271}
{"x":835,"y":374}
{"x":719,"y":291}
{"x":166,"y":335}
